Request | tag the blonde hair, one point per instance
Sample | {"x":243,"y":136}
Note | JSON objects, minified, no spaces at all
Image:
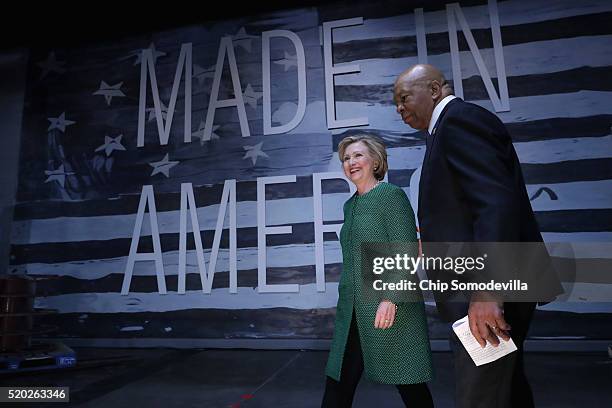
{"x":376,"y":149}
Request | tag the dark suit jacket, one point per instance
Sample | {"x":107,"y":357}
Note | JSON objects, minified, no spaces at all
{"x":472,"y":189}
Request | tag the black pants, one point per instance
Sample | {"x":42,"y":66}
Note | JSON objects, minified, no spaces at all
{"x":502,"y":383}
{"x":339,"y":394}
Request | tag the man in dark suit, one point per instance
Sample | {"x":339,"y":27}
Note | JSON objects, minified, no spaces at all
{"x":472,"y":190}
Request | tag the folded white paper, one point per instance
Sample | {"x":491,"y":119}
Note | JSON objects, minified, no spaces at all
{"x":481,"y":355}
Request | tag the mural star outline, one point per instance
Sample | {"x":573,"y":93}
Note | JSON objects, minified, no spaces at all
{"x":59,"y":123}
{"x":163,"y":166}
{"x":58,"y":175}
{"x":108,"y":91}
{"x":253,"y":152}
{"x":251,"y":97}
{"x":51,"y":64}
{"x":199,"y":133}
{"x":138,"y":54}
{"x":151,"y":111}
{"x":244,"y":40}
{"x":111,"y":144}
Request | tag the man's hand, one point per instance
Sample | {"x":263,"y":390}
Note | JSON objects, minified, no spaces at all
{"x":486,"y":318}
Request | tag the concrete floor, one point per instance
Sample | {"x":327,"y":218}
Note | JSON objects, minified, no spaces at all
{"x":250,"y":378}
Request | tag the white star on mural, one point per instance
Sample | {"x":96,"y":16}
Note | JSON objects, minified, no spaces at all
{"x":163,"y":166}
{"x":108,"y":91}
{"x":110,"y":144}
{"x":242,"y":39}
{"x":288,"y":62}
{"x":58,"y":175}
{"x":51,"y":64}
{"x":59,"y":123}
{"x":151,"y":111}
{"x":201,"y":74}
{"x":138,"y":54}
{"x":200,"y":132}
{"x":251,"y":97}
{"x":252,"y":152}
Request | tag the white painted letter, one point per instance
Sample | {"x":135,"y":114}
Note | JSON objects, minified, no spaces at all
{"x":320,"y":228}
{"x":146,"y":196}
{"x":187,"y":198}
{"x":331,"y":70}
{"x":501,"y":103}
{"x":164,"y":129}
{"x":301,"y":71}
{"x":419,"y":20}
{"x":214,"y":103}
{"x":263,"y":230}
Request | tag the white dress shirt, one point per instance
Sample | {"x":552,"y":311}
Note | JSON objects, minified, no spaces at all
{"x":437,"y":111}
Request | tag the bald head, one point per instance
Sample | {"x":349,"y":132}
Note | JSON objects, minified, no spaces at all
{"x":424,"y":74}
{"x":417,"y":91}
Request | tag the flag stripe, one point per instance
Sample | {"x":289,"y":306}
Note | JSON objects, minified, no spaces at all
{"x":530,"y":108}
{"x":246,"y":298}
{"x":583,"y":270}
{"x":560,"y":196}
{"x":438,"y":43}
{"x":555,"y":128}
{"x":530,"y":58}
{"x":295,"y":255}
{"x":391,"y":20}
{"x":585,"y":78}
{"x":567,"y":171}
{"x":537,"y":152}
{"x":60,"y":285}
{"x":591,"y":220}
{"x":283,"y":256}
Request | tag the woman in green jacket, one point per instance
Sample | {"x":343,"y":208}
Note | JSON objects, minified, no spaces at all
{"x":389,"y":340}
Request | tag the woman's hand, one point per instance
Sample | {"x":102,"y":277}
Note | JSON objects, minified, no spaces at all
{"x":385,"y":315}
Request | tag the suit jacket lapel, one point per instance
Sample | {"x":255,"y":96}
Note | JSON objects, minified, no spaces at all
{"x":428,"y":152}
{"x":435,"y":128}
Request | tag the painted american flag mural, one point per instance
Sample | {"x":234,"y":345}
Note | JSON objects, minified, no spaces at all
{"x":82,"y":173}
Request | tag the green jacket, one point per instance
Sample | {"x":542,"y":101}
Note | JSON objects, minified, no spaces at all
{"x":400,"y":354}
